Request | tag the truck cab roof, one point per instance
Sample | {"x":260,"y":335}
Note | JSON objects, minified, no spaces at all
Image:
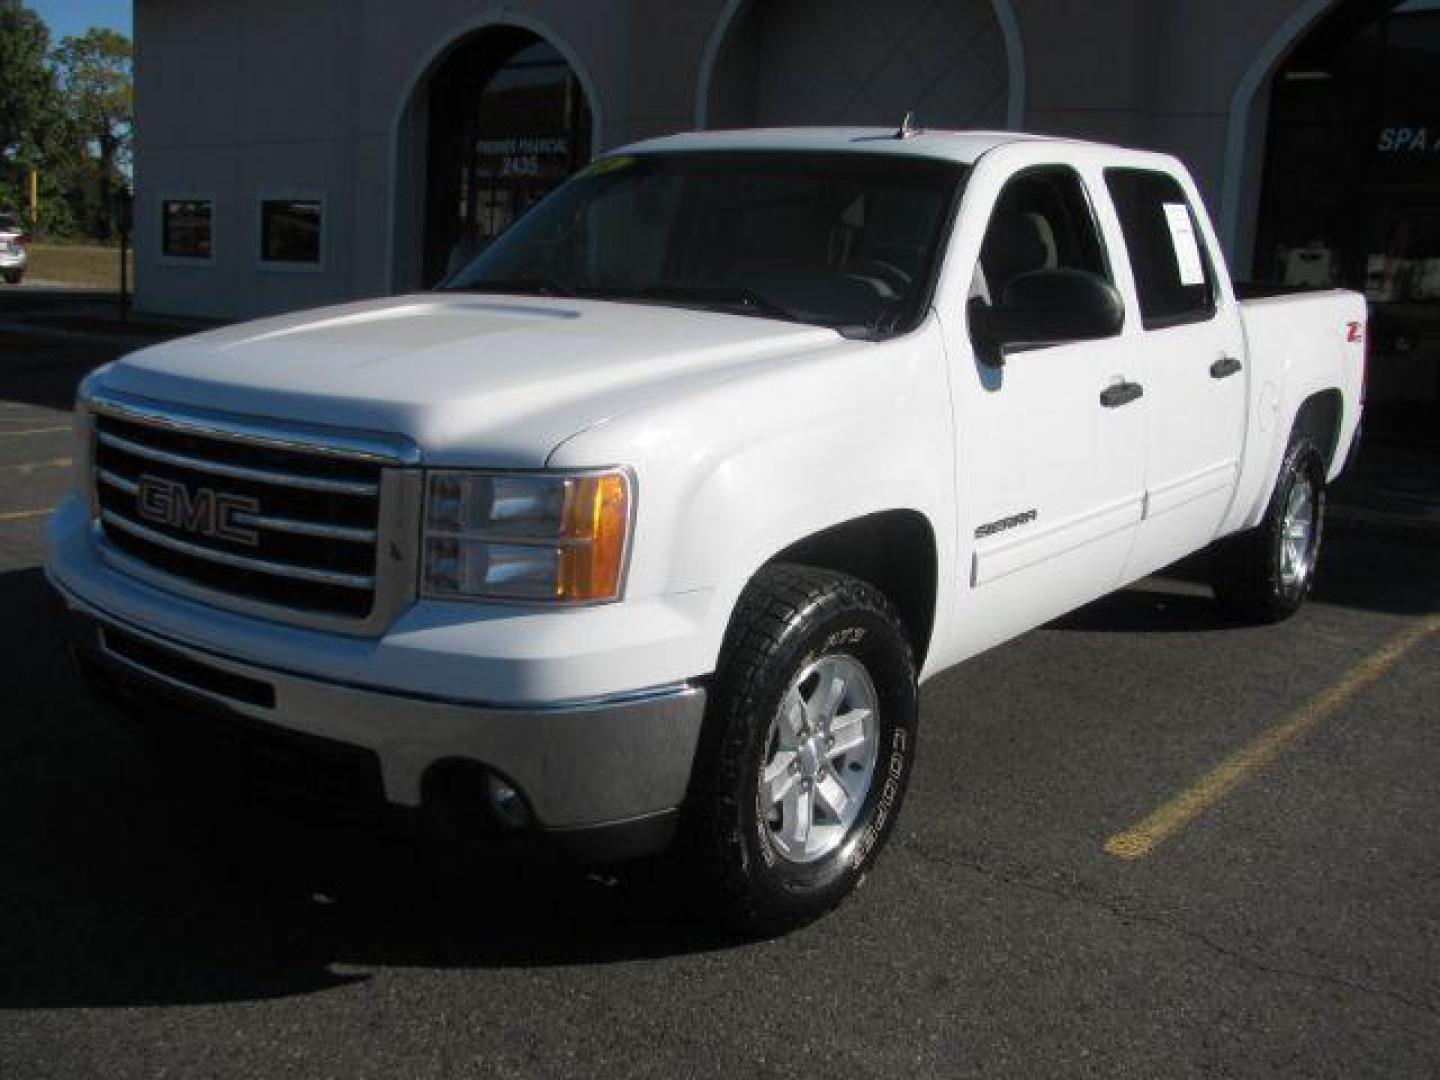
{"x":964,"y":147}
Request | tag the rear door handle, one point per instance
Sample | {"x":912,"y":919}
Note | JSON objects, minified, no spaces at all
{"x":1224,"y":367}
{"x":1112,"y":397}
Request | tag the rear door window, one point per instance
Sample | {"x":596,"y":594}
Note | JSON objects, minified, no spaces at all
{"x":1174,"y":278}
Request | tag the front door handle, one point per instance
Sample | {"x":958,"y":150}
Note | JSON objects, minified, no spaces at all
{"x":1122,"y":393}
{"x":1224,"y":367}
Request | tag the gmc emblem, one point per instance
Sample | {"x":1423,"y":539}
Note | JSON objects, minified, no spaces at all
{"x":204,"y":511}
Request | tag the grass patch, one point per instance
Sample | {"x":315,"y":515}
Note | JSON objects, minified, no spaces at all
{"x":78,"y":264}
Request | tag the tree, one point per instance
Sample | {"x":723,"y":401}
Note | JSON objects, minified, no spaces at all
{"x":95,"y":81}
{"x":29,"y":106}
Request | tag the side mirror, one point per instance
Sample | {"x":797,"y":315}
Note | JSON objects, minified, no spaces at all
{"x":1046,"y":307}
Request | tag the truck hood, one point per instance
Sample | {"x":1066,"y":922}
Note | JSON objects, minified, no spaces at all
{"x":495,"y":380}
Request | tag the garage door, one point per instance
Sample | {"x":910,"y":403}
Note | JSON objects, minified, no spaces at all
{"x":858,"y":62}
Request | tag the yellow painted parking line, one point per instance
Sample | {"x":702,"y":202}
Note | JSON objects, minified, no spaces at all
{"x":31,"y":466}
{"x":33,"y":431}
{"x":1140,"y":840}
{"x":21,"y":515}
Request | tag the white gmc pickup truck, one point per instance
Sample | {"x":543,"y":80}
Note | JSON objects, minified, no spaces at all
{"x":643,"y":529}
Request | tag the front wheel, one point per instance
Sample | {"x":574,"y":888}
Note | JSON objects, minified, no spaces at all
{"x":13,"y":278}
{"x":810,"y":739}
{"x":1264,"y":574}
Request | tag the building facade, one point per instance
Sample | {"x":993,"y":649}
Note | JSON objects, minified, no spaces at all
{"x":299,"y":152}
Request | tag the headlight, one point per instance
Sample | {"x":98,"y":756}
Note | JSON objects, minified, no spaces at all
{"x":526,"y":536}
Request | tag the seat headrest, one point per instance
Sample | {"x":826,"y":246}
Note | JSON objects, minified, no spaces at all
{"x":1017,"y":243}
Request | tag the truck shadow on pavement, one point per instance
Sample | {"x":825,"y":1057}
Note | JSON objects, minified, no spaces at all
{"x":123,"y":887}
{"x":1393,"y":576}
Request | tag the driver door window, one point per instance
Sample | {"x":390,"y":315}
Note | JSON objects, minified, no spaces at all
{"x":1042,"y":221}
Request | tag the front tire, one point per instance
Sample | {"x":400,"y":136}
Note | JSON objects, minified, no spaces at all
{"x":13,"y":278}
{"x":808,"y":748}
{"x":1264,"y":574}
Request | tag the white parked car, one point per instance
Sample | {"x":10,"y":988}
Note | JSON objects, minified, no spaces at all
{"x":14,"y":257}
{"x":644,"y":530}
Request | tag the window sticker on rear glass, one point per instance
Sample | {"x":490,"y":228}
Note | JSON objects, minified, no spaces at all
{"x":1187,"y":247}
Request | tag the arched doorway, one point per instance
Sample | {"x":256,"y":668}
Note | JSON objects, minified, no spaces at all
{"x":784,"y":62}
{"x":506,"y":119}
{"x":1351,"y":192}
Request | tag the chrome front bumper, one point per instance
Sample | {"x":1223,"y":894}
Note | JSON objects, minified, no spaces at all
{"x":581,"y":766}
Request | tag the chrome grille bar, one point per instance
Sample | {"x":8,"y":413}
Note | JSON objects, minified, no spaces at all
{"x":264,"y":521}
{"x":119,"y":483}
{"x":307,"y":528}
{"x":237,"y":472}
{"x":240,"y":562}
{"x":209,"y":424}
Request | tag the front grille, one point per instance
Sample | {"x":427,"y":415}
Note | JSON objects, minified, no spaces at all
{"x":277,"y":524}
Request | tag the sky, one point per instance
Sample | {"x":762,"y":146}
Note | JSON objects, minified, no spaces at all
{"x":67,"y":18}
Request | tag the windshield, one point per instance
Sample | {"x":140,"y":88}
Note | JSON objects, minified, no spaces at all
{"x":847,"y":240}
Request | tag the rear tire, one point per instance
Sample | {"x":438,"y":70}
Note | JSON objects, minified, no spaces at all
{"x":807,"y":750}
{"x":1264,"y":574}
{"x":13,"y":278}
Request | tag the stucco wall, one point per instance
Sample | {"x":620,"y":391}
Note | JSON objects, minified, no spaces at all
{"x":1158,"y":73}
{"x":236,"y":98}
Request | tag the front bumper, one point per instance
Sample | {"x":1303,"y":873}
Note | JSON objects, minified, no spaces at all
{"x":605,"y":778}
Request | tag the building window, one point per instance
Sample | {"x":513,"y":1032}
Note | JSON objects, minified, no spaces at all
{"x":290,"y":231}
{"x":186,"y":226}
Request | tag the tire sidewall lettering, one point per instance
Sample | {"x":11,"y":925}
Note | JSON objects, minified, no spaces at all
{"x":788,"y":617}
{"x":890,"y":792}
{"x":887,"y":787}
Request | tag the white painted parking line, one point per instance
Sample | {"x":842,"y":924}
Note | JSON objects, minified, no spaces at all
{"x":33,"y":431}
{"x":28,"y":467}
{"x":22,"y":515}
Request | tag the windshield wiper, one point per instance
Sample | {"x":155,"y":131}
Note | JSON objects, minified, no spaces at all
{"x":740,"y":300}
{"x":542,"y":286}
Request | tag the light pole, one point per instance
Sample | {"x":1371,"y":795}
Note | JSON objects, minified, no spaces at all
{"x":124,"y":219}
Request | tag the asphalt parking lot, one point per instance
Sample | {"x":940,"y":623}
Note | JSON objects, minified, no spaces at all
{"x":1282,"y":917}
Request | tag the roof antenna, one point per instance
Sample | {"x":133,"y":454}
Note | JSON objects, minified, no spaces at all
{"x":908,"y":130}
